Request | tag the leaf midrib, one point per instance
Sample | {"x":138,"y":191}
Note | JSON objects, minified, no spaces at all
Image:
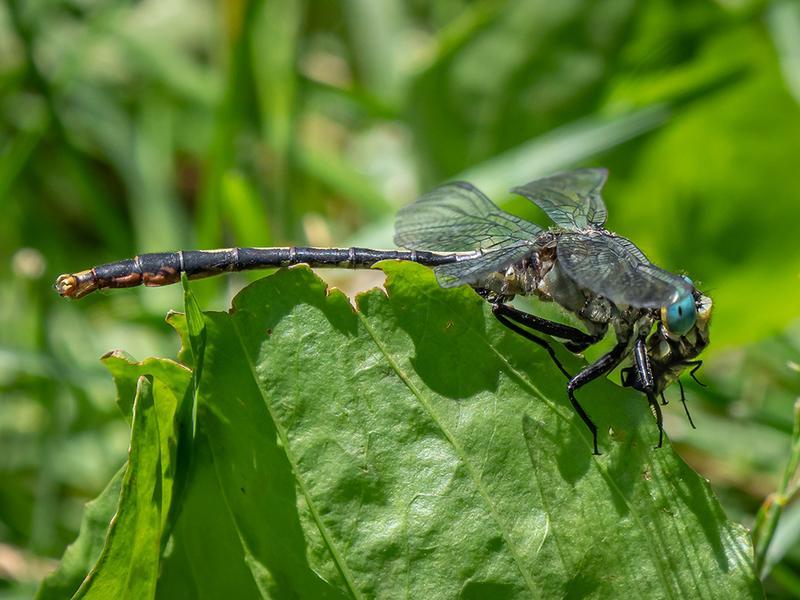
{"x":312,"y":507}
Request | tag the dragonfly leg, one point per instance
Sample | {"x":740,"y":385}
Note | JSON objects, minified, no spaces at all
{"x":646,"y":383}
{"x":577,"y":340}
{"x":597,"y":369}
{"x":659,"y":418}
{"x":578,"y":347}
{"x":644,"y":371}
{"x":695,"y":364}
{"x":500,"y":316}
{"x":686,"y":408}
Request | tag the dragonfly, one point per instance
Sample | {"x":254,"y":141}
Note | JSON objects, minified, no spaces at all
{"x":660,"y":319}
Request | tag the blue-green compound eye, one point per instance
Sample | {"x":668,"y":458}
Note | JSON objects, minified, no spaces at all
{"x":680,"y":316}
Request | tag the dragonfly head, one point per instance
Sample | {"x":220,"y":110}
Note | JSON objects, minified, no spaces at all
{"x":681,"y":316}
{"x":677,"y":346}
{"x":669,"y":354}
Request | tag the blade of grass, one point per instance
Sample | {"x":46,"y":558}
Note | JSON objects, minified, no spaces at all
{"x":154,"y":208}
{"x":783,"y":21}
{"x":229,"y":113}
{"x":108,"y":224}
{"x":456,"y":34}
{"x":273,"y":50}
{"x":375,"y":29}
{"x":770,"y":513}
{"x":340,"y":176}
{"x":788,"y":580}
{"x":246,"y":212}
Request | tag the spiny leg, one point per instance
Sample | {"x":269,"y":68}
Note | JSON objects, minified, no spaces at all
{"x":600,"y":367}
{"x":664,"y":400}
{"x":686,"y":408}
{"x":644,"y":369}
{"x":695,"y":364}
{"x":659,"y":418}
{"x":512,"y":318}
{"x":641,"y":362}
{"x":529,"y":336}
{"x":585,"y":417}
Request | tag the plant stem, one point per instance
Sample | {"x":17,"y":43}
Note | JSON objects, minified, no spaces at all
{"x":770,"y":512}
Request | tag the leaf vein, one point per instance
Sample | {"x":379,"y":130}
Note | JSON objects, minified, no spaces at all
{"x":341,"y":564}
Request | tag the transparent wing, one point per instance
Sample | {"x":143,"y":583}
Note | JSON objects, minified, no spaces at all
{"x":473,"y":271}
{"x":572,"y":200}
{"x":457,"y":217}
{"x":615,"y":268}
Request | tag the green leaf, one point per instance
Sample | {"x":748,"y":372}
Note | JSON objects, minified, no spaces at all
{"x":82,"y":554}
{"x":128,"y":565}
{"x":205,"y":559}
{"x":409,"y":445}
{"x":195,"y":327}
{"x":169,"y":385}
{"x":412,"y":446}
{"x":126,"y":372}
{"x":228,"y":554}
{"x":173,"y":410}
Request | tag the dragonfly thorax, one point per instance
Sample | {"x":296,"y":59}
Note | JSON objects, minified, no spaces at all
{"x":518,"y":279}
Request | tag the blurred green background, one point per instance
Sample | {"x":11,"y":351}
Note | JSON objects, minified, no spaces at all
{"x":129,"y":127}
